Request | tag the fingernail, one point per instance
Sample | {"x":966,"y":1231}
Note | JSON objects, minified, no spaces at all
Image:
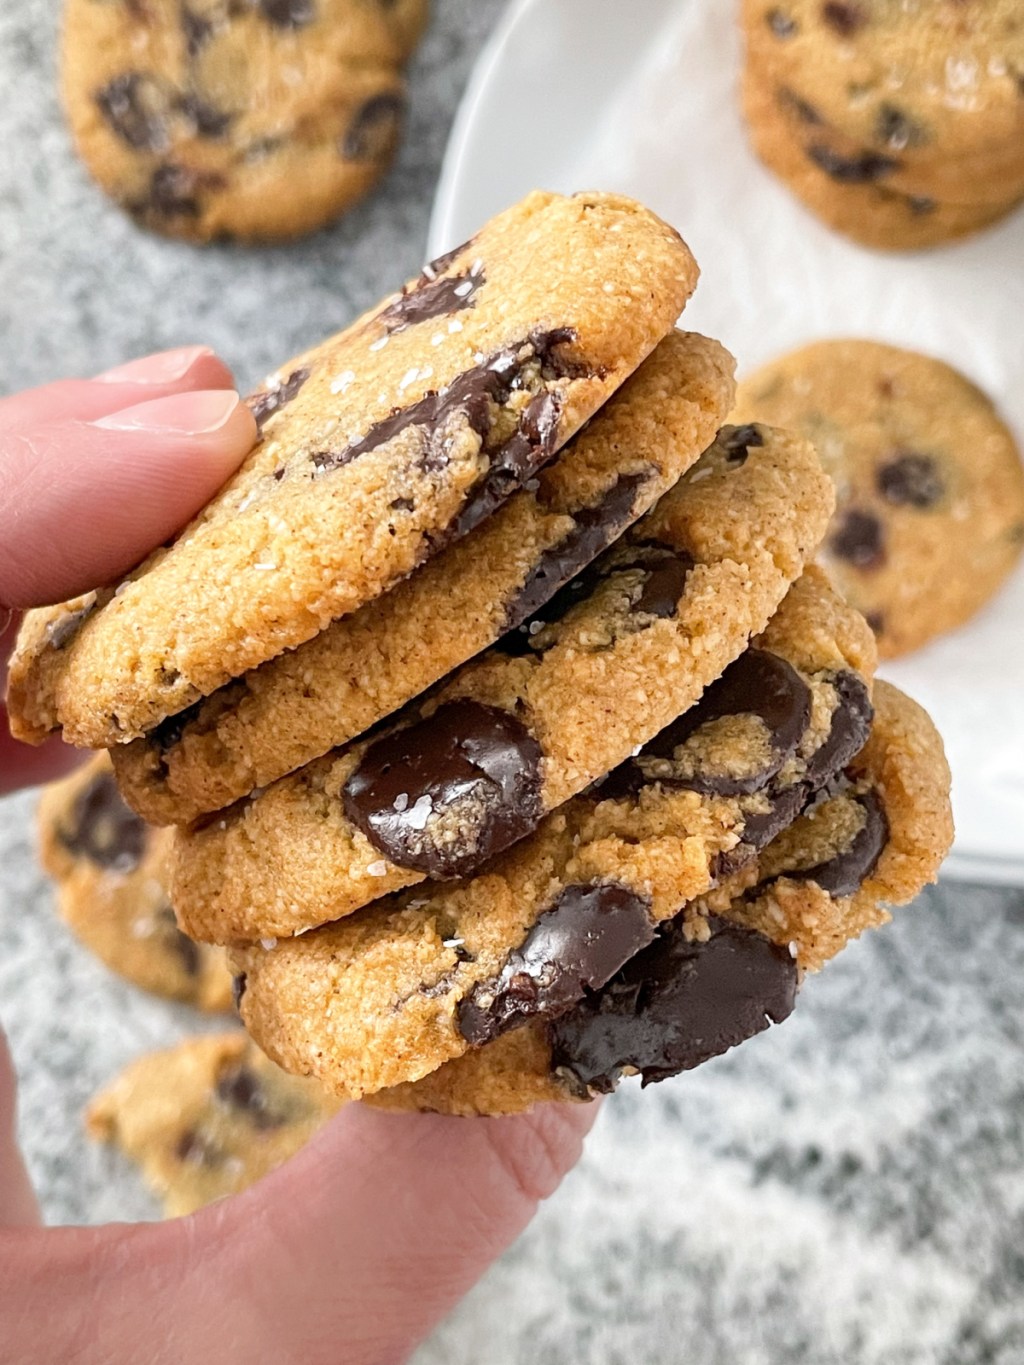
{"x":185,"y":414}
{"x":163,"y":368}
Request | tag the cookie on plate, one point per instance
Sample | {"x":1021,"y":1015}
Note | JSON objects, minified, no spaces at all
{"x":929,"y":514}
{"x":207,"y":1118}
{"x":732,"y":962}
{"x":360,"y":669}
{"x":216,"y":120}
{"x":462,"y":774}
{"x":390,"y":993}
{"x":379,"y":448}
{"x":111,"y":875}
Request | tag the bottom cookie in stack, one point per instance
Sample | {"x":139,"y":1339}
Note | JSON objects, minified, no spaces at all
{"x":731,"y":963}
{"x":110,"y":869}
{"x":207,"y":1118}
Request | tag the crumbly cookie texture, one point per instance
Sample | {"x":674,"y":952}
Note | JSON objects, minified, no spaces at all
{"x":111,"y":876}
{"x":360,"y":669}
{"x":929,"y":514}
{"x":733,"y":959}
{"x":256,"y":121}
{"x":901,"y":126}
{"x":606,"y":665}
{"x":378,"y":448}
{"x":207,"y":1118}
{"x":389,"y":994}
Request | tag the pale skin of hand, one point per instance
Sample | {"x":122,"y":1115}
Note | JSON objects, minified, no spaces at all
{"x":352,"y":1251}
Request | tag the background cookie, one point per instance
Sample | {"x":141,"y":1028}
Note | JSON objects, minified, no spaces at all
{"x":518,"y":730}
{"x":207,"y":1118}
{"x":360,"y":669}
{"x":731,"y":962}
{"x":111,"y":875}
{"x":929,"y":485}
{"x":257,"y":121}
{"x":378,"y":448}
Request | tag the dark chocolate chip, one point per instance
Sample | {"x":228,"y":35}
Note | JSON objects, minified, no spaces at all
{"x":242,"y":1089}
{"x":784,"y":804}
{"x":287,"y":13}
{"x":195,"y":1149}
{"x":847,"y":871}
{"x":61,"y":631}
{"x":577,"y":945}
{"x":665,"y":573}
{"x":863,"y":169}
{"x":794,"y":103}
{"x":173,"y":192}
{"x":441,"y":263}
{"x":432,"y":298}
{"x":736,"y":442}
{"x":373,"y":132}
{"x":781,"y":24}
{"x":848,"y":730}
{"x":169,"y":731}
{"x":180,"y":944}
{"x":594,"y":529}
{"x":675,"y":1005}
{"x":103,"y":829}
{"x":197,"y":29}
{"x":897,"y":130}
{"x":844,"y":17}
{"x":876,"y":620}
{"x":858,"y":538}
{"x":911,"y":480}
{"x":444,"y":794}
{"x":279,"y":473}
{"x":207,"y":121}
{"x":238,"y":984}
{"x":264,"y":404}
{"x":137,"y":107}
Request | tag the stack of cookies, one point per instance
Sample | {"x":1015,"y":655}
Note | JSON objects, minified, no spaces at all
{"x":899,"y":125}
{"x":511,"y":740}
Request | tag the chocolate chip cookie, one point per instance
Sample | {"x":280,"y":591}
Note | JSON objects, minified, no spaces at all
{"x":255,"y":120}
{"x":732,"y":962}
{"x":392,"y":992}
{"x":111,"y":876}
{"x":464,"y":773}
{"x":207,"y":1118}
{"x":360,"y":669}
{"x":378,"y":448}
{"x":930,"y":490}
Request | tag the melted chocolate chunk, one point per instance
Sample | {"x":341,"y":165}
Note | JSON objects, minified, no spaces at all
{"x":446,"y":793}
{"x":174,"y":192}
{"x":287,"y":13}
{"x":666,"y":571}
{"x":242,"y":1089}
{"x":848,"y":731}
{"x":675,"y":1005}
{"x":911,"y":480}
{"x":795,"y":104}
{"x":758,"y":683}
{"x":238,"y":984}
{"x":781,"y":23}
{"x":207,"y":121}
{"x":373,"y":132}
{"x":858,"y":538}
{"x":594,"y":529}
{"x":103,"y":829}
{"x":263,"y":405}
{"x":577,"y":945}
{"x":137,"y":107}
{"x":864,"y":169}
{"x":761,"y":827}
{"x":898,"y":130}
{"x":432,"y":298}
{"x":441,"y":263}
{"x":736,"y":442}
{"x":61,"y":631}
{"x":846,"y":872}
{"x":195,"y":1149}
{"x":844,"y":17}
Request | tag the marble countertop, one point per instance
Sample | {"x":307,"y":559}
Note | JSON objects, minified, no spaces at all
{"x":848,"y":1188}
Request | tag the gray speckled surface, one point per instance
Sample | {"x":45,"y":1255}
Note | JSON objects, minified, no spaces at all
{"x":849,"y":1188}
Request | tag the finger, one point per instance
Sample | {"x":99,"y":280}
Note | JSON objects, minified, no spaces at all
{"x":85,"y":501}
{"x":351,"y":1252}
{"x":156,"y":376}
{"x":18,"y":1205}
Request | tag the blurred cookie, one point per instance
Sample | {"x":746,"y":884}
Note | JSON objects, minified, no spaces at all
{"x":732,"y":962}
{"x":929,"y":514}
{"x":111,"y":875}
{"x":207,"y":1118}
{"x":379,"y":448}
{"x":257,"y":120}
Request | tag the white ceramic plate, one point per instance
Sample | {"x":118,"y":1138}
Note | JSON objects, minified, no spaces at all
{"x":639,"y":97}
